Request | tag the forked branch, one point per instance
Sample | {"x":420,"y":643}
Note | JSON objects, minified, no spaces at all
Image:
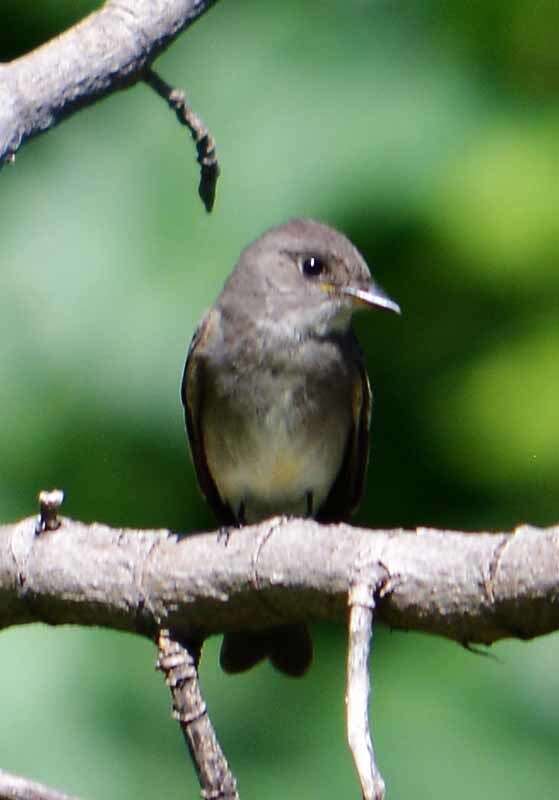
{"x":179,"y":663}
{"x":361,"y":607}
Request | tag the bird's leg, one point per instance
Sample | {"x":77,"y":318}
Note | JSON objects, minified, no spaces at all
{"x":309,"y":498}
{"x":225,"y":531}
{"x":223,"y":534}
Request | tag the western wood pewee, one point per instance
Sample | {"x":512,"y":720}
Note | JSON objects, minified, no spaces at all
{"x":277,"y":400}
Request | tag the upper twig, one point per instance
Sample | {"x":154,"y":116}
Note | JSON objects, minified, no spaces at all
{"x":204,"y":141}
{"x":108,"y":50}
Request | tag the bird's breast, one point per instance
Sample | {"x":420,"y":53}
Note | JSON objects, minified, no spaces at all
{"x":272,"y":438}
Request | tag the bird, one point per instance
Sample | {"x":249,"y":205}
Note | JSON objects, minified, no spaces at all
{"x":277,"y":400}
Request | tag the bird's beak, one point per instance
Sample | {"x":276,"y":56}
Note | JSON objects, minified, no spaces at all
{"x":373,"y":295}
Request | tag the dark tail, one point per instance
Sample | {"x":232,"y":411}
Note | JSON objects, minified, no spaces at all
{"x":289,"y":648}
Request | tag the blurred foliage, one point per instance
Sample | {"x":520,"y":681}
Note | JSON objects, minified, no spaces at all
{"x":428,"y":132}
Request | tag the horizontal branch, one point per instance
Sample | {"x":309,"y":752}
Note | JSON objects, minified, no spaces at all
{"x":107,"y":51}
{"x":473,"y":588}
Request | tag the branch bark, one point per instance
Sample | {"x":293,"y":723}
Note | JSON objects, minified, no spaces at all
{"x":107,"y":51}
{"x":470,"y":587}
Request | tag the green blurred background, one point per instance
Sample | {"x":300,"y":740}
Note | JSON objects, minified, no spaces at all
{"x":428,"y":132}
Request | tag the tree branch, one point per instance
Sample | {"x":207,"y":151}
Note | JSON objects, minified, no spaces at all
{"x":203,"y":140}
{"x":468,"y":587}
{"x":108,"y":50}
{"x":179,"y":663}
{"x":361,"y":603}
{"x":14,"y":787}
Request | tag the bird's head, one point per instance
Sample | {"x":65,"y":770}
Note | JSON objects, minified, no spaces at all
{"x":307,"y":277}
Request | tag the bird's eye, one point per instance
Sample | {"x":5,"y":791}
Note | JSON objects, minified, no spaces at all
{"x":312,"y":266}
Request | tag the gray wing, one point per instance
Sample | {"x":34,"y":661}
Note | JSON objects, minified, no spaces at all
{"x":347,"y":490}
{"x":192,"y":394}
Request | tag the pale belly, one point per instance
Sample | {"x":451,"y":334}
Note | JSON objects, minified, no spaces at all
{"x":270,"y":464}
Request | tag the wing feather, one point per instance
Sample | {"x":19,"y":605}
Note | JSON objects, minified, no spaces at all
{"x":193,"y":388}
{"x":347,"y":490}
